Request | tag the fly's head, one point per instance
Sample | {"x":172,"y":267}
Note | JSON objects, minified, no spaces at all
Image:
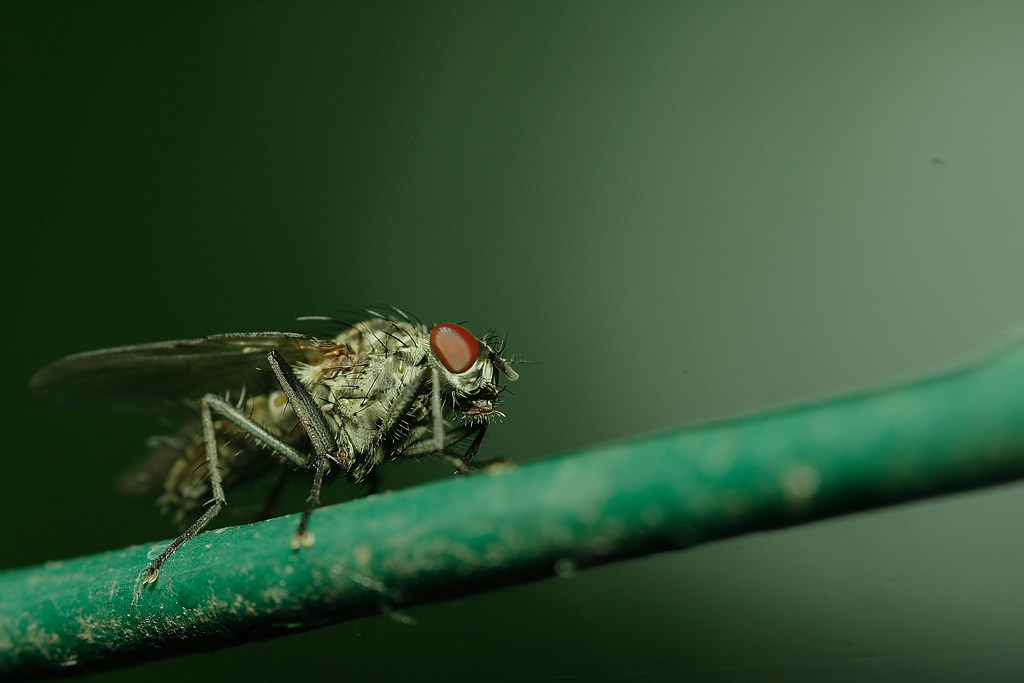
{"x":467,"y":369}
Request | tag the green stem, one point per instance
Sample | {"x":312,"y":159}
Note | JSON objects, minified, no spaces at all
{"x":449,"y":538}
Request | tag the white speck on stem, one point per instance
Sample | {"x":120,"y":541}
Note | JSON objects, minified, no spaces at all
{"x":800,"y":484}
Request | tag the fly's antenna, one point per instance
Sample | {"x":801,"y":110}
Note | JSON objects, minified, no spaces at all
{"x":504,"y":367}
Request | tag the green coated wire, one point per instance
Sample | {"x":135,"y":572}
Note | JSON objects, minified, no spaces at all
{"x":659,"y":493}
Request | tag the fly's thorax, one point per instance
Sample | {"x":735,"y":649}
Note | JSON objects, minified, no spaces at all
{"x":360,"y":376}
{"x":367,"y":360}
{"x":362,"y":404}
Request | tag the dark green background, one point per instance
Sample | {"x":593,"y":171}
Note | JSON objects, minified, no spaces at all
{"x":682,"y":211}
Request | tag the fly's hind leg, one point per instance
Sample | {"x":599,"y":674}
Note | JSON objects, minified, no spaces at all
{"x":214,"y":506}
{"x":214,"y":404}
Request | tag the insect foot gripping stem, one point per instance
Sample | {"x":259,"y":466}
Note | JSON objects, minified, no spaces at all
{"x":216,"y":486}
{"x":303,"y":537}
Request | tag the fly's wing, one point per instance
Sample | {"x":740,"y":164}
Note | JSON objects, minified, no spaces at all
{"x":155,"y":377}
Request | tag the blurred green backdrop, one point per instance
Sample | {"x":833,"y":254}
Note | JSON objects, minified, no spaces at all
{"x":681,"y":211}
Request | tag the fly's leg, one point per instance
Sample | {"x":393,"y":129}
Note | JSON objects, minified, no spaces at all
{"x":214,"y":404}
{"x":465,"y":463}
{"x":423,"y":446}
{"x":303,"y":537}
{"x":467,"y":459}
{"x":215,"y":505}
{"x":325,"y":447}
{"x":474,"y":447}
{"x":441,"y":440}
{"x":438,"y":413}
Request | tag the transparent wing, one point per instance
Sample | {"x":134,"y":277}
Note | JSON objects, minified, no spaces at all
{"x":155,"y":377}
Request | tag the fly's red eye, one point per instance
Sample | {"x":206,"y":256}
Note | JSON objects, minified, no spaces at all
{"x":454,"y":346}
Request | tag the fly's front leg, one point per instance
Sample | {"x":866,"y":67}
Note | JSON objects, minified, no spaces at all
{"x":437,"y":411}
{"x":474,"y":447}
{"x":441,"y":440}
{"x":214,"y":404}
{"x":427,"y":446}
{"x":465,"y":463}
{"x":325,"y":447}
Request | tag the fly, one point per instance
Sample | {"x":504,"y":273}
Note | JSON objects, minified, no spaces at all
{"x":376,"y":392}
